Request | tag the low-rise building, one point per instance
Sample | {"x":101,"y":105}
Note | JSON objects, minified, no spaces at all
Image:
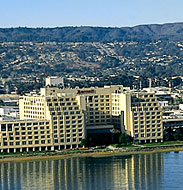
{"x":54,"y":81}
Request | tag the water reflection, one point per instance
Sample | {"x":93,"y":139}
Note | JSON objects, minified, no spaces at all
{"x":143,"y":171}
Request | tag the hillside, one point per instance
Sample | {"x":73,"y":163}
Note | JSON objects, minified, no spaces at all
{"x":112,"y":55}
{"x":171,"y":31}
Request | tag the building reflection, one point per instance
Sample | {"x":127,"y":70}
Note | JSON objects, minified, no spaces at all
{"x":139,"y":171}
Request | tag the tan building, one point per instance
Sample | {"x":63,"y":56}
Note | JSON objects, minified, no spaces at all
{"x":25,"y":135}
{"x":47,"y":123}
{"x":61,"y":118}
{"x":147,"y":118}
{"x":103,"y":106}
{"x":116,"y":107}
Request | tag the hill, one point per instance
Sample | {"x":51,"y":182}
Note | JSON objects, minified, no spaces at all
{"x":170,"y":31}
{"x":105,"y":55}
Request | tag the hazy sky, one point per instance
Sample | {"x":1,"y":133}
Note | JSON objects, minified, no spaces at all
{"x":52,"y":13}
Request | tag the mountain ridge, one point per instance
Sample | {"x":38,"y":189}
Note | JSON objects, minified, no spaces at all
{"x":170,"y":31}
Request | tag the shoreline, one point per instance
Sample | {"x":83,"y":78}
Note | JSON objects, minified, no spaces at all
{"x":97,"y":153}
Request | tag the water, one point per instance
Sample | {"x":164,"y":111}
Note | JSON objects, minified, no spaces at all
{"x":156,"y":171}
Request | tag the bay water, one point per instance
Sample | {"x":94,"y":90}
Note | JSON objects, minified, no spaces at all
{"x":156,"y":171}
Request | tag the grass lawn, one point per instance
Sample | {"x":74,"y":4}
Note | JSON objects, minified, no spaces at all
{"x":164,"y":143}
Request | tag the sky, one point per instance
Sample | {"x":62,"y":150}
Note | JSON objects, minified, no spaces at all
{"x":106,"y":13}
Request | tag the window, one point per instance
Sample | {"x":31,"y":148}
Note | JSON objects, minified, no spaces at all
{"x":3,"y":127}
{"x":36,"y":142}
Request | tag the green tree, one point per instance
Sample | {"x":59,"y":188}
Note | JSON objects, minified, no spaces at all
{"x":83,"y":143}
{"x":125,"y":139}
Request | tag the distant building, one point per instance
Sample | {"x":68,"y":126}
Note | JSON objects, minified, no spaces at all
{"x":54,"y":81}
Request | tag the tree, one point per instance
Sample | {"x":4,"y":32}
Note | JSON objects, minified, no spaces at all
{"x":125,"y":139}
{"x":83,"y":143}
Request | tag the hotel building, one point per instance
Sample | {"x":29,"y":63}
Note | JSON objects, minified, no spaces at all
{"x":61,"y":118}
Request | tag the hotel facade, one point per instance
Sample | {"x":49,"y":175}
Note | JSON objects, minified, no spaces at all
{"x":58,"y":119}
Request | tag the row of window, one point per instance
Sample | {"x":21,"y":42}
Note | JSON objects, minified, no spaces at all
{"x":145,"y":113}
{"x":35,"y":103}
{"x":98,"y":113}
{"x":138,"y":109}
{"x":34,"y":108}
{"x":148,"y":135}
{"x":25,"y":142}
{"x":23,"y":124}
{"x":67,"y":140}
{"x":65,"y":113}
{"x":67,"y":117}
{"x":147,"y":121}
{"x":26,"y":137}
{"x":147,"y":126}
{"x":147,"y":130}
{"x":100,"y":121}
{"x":61,"y":100}
{"x":99,"y":117}
{"x":34,"y":112}
{"x":147,"y":117}
{"x":51,"y":108}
